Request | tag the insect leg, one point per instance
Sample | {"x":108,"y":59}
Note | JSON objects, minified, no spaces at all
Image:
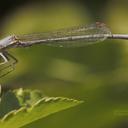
{"x":4,"y":58}
{"x":8,"y":64}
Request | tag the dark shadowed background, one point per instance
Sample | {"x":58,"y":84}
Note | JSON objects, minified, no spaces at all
{"x":95,"y":73}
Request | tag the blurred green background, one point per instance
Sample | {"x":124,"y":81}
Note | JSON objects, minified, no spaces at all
{"x":95,"y":73}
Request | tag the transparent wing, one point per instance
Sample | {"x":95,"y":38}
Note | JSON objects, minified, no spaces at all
{"x":72,"y":37}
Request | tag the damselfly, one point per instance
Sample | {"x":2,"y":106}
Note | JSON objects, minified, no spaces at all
{"x":71,"y":37}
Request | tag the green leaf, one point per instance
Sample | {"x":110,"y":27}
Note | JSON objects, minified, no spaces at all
{"x":21,"y":107}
